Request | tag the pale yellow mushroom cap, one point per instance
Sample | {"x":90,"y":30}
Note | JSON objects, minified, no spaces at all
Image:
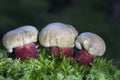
{"x":19,"y":37}
{"x":93,"y":43}
{"x":58,"y":34}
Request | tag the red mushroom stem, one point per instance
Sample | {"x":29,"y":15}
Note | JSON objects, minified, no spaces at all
{"x":68,"y":52}
{"x":26,"y":51}
{"x":54,"y":50}
{"x":83,"y":57}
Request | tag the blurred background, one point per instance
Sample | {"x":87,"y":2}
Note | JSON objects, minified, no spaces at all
{"x":98,"y":16}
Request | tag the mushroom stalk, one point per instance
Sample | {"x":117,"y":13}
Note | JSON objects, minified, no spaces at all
{"x":26,"y":51}
{"x":83,"y":57}
{"x":54,"y":50}
{"x":68,"y":52}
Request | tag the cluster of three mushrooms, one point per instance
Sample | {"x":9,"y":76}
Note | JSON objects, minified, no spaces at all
{"x":57,"y":36}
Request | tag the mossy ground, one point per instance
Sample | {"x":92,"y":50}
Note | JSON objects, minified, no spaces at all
{"x":49,"y":67}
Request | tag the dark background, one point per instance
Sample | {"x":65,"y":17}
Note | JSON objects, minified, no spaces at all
{"x":99,"y":16}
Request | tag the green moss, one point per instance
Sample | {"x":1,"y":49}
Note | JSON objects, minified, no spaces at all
{"x":48,"y":67}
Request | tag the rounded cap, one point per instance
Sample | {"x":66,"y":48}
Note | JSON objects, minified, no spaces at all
{"x":19,"y":37}
{"x":93,"y":43}
{"x":58,"y":34}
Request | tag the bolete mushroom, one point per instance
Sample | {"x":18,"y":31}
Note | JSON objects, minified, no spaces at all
{"x":20,"y":41}
{"x":59,"y":37}
{"x":89,"y":45}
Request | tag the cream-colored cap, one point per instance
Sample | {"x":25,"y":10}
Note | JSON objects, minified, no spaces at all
{"x":58,"y":34}
{"x":19,"y":37}
{"x":93,"y":43}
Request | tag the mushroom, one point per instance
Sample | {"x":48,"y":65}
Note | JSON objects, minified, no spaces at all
{"x":20,"y":41}
{"x":59,"y":37}
{"x":90,"y":45}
